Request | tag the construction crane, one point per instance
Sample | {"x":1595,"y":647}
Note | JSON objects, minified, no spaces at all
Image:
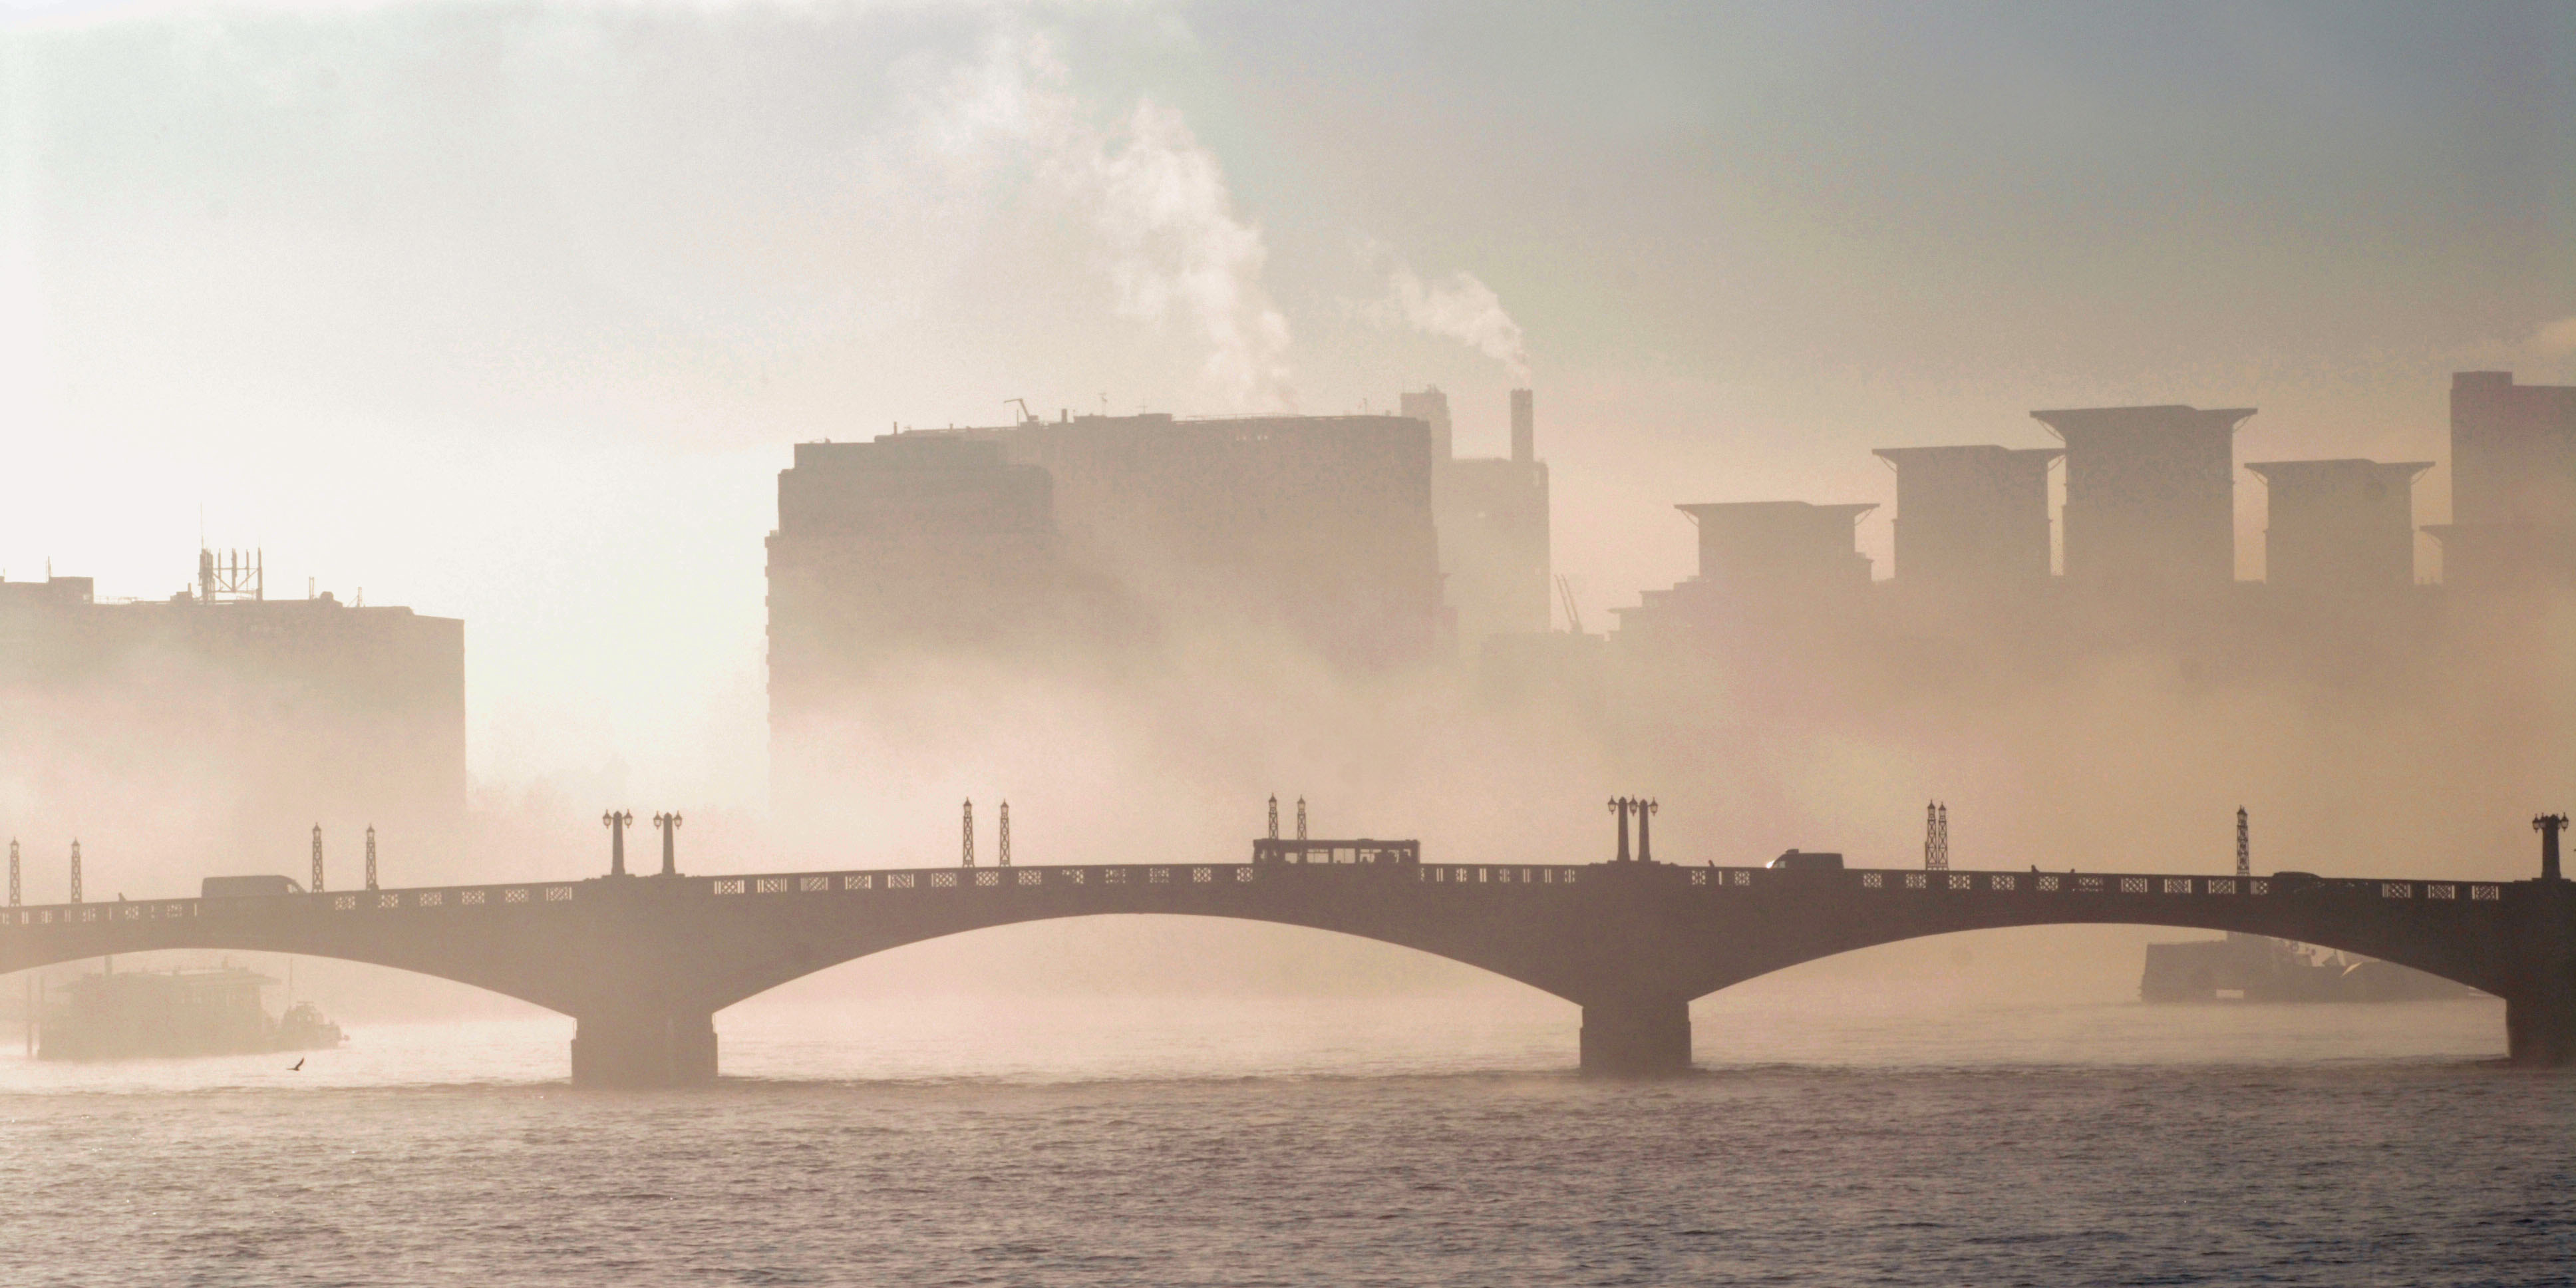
{"x":1027,"y":417}
{"x":1573,"y":615}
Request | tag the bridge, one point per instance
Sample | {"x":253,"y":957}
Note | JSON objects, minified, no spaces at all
{"x":643,"y":963}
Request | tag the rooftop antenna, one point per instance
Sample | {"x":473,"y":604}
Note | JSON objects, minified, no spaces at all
{"x":371,"y":856}
{"x":13,"y":872}
{"x":1006,"y":834}
{"x":229,"y":576}
{"x":317,"y":858}
{"x":76,"y":870}
{"x":1573,"y":615}
{"x":1936,"y":837}
{"x":2244,"y":846}
{"x":1301,"y":818}
{"x":970,"y":832}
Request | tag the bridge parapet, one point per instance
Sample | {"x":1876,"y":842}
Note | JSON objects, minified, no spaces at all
{"x":894,"y":880}
{"x":644,"y":961}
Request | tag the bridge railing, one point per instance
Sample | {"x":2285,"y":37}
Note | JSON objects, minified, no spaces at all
{"x":537,"y":894}
{"x":1211,"y":877}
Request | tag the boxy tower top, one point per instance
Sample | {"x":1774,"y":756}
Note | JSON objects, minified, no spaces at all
{"x":2150,"y":497}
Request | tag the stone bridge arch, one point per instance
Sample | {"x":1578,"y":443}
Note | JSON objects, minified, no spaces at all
{"x":643,"y":963}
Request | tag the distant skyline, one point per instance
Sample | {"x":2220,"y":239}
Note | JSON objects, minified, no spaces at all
{"x":510,"y":312}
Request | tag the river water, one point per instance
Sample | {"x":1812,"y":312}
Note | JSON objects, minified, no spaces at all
{"x":1843,"y":1139}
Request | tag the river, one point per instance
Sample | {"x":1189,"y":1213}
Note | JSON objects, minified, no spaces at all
{"x":1837,"y":1138}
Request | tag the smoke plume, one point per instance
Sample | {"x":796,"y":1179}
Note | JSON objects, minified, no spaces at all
{"x":1162,"y":207}
{"x":1153,"y":201}
{"x":1457,"y":307}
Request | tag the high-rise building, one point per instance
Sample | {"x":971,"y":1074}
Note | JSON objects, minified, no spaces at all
{"x":1061,"y":537}
{"x":1762,"y":564}
{"x":2150,"y":498}
{"x":2340,"y":526}
{"x":1971,"y":518}
{"x":215,"y":727}
{"x":2513,"y":481}
{"x":1779,"y":548}
{"x":1431,"y":407}
{"x":911,"y":543}
{"x":1314,"y":529}
{"x":1492,"y":518}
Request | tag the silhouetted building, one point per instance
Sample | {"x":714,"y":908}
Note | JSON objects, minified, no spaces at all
{"x":2513,"y":481}
{"x":1761,"y":563}
{"x":1779,"y":548}
{"x":1431,"y":407}
{"x":1492,"y":518}
{"x":223,"y":722}
{"x":1315,"y":528}
{"x":2340,"y":526}
{"x":2150,"y":497}
{"x":1971,"y":518}
{"x":913,"y":542}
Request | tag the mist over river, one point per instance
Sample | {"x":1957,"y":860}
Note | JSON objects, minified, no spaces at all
{"x":1831,"y":1136}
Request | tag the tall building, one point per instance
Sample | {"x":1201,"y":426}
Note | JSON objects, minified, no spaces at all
{"x":2150,"y":498}
{"x":2339,"y":526}
{"x":1971,"y":518}
{"x":1317,"y":529}
{"x":213,"y":728}
{"x":1431,"y":407}
{"x":1779,"y":548}
{"x":1492,"y":517}
{"x":1761,"y":563}
{"x":1061,"y":536}
{"x":2513,"y":481}
{"x":910,"y":543}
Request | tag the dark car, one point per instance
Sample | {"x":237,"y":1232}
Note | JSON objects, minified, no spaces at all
{"x":248,"y":887}
{"x":1800,"y":861}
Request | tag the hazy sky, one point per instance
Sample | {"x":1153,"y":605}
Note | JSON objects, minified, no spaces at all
{"x":510,"y":312}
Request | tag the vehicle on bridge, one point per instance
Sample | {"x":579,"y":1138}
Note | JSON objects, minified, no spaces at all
{"x":247,"y":887}
{"x":1800,"y":861}
{"x":1270,"y":849}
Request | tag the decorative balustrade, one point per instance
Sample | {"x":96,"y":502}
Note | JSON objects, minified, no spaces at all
{"x":1443,"y":876}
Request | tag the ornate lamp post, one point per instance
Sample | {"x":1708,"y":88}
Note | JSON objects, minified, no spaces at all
{"x":615,"y":821}
{"x":670,"y":825}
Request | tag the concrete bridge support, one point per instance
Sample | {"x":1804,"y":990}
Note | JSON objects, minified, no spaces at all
{"x":2540,"y":1031}
{"x":1636,"y":1037}
{"x":2540,"y":1014}
{"x":644,"y":1050}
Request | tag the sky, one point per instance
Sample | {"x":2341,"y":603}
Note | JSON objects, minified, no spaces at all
{"x":511,"y":312}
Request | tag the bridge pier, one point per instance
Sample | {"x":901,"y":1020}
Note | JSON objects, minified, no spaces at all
{"x":2540,"y":1032}
{"x":1636,"y":1038}
{"x":626,"y":1050}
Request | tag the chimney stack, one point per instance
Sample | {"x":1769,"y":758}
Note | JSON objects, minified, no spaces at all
{"x":1524,"y":428}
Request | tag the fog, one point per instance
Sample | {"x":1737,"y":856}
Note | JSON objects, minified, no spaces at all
{"x":513,"y":313}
